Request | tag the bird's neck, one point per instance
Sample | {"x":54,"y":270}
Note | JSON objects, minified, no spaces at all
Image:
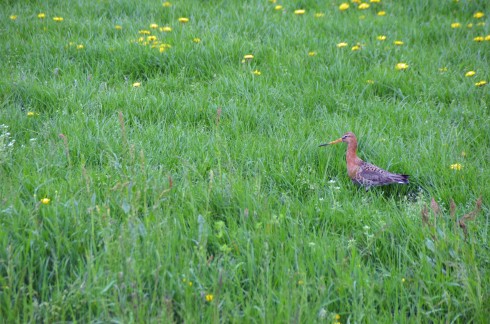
{"x":352,"y":151}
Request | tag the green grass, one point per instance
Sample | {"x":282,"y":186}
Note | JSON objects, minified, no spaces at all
{"x":207,"y":180}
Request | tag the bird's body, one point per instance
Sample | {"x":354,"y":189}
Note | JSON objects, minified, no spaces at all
{"x":363,"y":173}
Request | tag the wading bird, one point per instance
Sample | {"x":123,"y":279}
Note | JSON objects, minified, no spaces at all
{"x":363,"y":173}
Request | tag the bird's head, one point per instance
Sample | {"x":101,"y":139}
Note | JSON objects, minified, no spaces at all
{"x":347,"y":138}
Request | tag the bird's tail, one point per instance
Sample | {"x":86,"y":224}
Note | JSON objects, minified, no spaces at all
{"x":402,"y":178}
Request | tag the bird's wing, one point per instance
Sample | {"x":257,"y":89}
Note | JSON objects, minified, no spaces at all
{"x":370,"y":172}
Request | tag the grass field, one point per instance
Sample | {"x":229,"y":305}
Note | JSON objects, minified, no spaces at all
{"x":154,"y":169}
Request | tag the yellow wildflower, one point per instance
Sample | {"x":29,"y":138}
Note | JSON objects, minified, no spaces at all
{"x":363,"y":6}
{"x":45,"y":201}
{"x":381,"y":37}
{"x":342,"y":44}
{"x":31,"y":114}
{"x":403,"y":280}
{"x":118,"y":27}
{"x":58,"y":19}
{"x":487,"y":38}
{"x":257,"y":72}
{"x":470,"y":25}
{"x":183,"y":20}
{"x":144,"y":32}
{"x":470,"y":73}
{"x":443,"y":69}
{"x":375,"y":1}
{"x":248,"y":57}
{"x":299,"y":12}
{"x":456,"y":25}
{"x":80,"y":46}
{"x":479,"y":39}
{"x":356,"y":47}
{"x":166,"y":29}
{"x":401,"y":66}
{"x":381,"y":13}
{"x":13,"y":17}
{"x":167,"y":4}
{"x":209,"y":297}
{"x":344,"y":6}
{"x":153,"y":26}
{"x":312,"y":53}
{"x":481,"y":24}
{"x":456,"y":166}
{"x":196,"y":40}
{"x":319,"y":15}
{"x":278,"y":7}
{"x":398,"y":42}
{"x":478,"y":15}
{"x":41,"y":15}
{"x":481,"y":83}
{"x":136,"y":84}
{"x":337,"y":317}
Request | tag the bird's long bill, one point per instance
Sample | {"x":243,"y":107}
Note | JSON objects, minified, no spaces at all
{"x":333,"y":142}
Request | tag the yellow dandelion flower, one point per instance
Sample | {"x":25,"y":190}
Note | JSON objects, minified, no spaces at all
{"x":381,"y":37}
{"x":479,"y":39}
{"x":356,"y":47}
{"x":13,"y":17}
{"x":319,"y":15}
{"x":209,"y":298}
{"x":257,"y":72}
{"x":375,"y":1}
{"x":470,"y":74}
{"x":478,"y":15}
{"x":381,"y":13}
{"x":118,"y":27}
{"x":31,"y":114}
{"x":58,"y":19}
{"x":337,"y":317}
{"x":248,"y":57}
{"x":167,"y":4}
{"x":136,"y":84}
{"x":356,"y":1}
{"x":166,"y":29}
{"x":183,"y":20}
{"x":80,"y":46}
{"x":403,"y":280}
{"x":344,"y":6}
{"x":456,"y":166}
{"x":162,"y":49}
{"x":481,"y":83}
{"x":470,"y":25}
{"x":398,"y":43}
{"x":312,"y":53}
{"x":487,"y":38}
{"x":456,"y":25}
{"x":153,"y":26}
{"x":401,"y":66}
{"x":342,"y":44}
{"x":41,"y":15}
{"x":278,"y":7}
{"x":144,"y":32}
{"x":45,"y":201}
{"x":196,"y":40}
{"x":363,"y":6}
{"x":190,"y":283}
{"x":299,"y":12}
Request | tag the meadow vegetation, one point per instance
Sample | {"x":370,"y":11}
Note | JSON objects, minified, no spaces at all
{"x":160,"y":169}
